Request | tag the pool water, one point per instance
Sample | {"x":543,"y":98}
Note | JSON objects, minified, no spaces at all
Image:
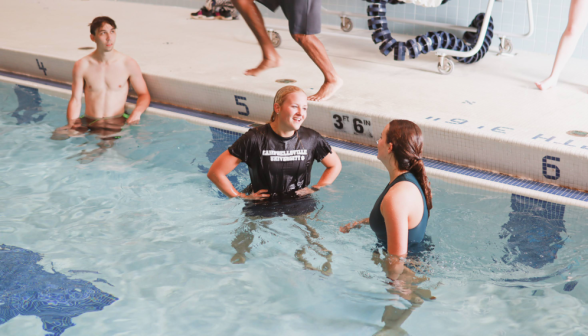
{"x":131,"y":238}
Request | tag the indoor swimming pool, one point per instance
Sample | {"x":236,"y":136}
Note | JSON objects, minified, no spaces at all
{"x":129,"y":237}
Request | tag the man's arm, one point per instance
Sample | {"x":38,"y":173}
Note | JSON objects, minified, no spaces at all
{"x":77,"y":89}
{"x":140,"y":87}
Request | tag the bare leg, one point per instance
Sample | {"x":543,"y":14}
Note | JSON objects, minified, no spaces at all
{"x":92,"y":155}
{"x":577,"y":21}
{"x":317,"y":247}
{"x":242,"y":242}
{"x":254,"y":20}
{"x":316,"y":51}
{"x":393,"y":317}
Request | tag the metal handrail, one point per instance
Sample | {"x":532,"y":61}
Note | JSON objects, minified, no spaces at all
{"x":445,"y":65}
{"x":444,"y":25}
{"x":479,"y":43}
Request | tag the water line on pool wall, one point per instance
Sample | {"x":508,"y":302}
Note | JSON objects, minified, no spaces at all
{"x":425,"y":43}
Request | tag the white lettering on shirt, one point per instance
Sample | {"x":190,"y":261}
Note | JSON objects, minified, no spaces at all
{"x":284,"y":156}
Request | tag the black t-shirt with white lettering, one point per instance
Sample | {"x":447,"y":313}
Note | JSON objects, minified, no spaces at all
{"x":280,"y":165}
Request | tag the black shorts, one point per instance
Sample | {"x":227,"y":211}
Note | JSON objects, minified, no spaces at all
{"x":104,"y":128}
{"x":304,"y":16}
{"x":291,"y":207}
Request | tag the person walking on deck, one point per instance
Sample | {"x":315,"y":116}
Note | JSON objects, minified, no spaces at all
{"x":304,"y":22}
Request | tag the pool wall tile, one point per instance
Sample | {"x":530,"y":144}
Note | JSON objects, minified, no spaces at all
{"x":363,"y":153}
{"x":445,"y":140}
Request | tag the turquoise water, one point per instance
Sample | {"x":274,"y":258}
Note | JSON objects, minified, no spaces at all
{"x":140,"y":227}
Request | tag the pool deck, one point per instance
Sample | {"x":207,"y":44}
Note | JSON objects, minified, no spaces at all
{"x":488,"y":115}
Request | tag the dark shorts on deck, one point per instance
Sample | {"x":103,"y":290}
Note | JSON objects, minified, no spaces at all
{"x":292,"y":207}
{"x":304,"y":16}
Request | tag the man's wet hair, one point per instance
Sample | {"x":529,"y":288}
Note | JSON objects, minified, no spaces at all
{"x":99,"y":21}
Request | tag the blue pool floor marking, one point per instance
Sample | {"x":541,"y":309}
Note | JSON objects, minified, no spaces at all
{"x":429,"y":163}
{"x":27,"y":289}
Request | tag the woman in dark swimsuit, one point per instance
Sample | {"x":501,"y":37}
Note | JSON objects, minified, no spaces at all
{"x":399,"y":217}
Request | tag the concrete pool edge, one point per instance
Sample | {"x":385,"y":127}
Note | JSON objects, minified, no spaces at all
{"x":357,"y":153}
{"x":535,"y":158}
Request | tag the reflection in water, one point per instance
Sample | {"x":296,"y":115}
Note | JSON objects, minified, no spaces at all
{"x":533,"y":232}
{"x":27,"y":289}
{"x":311,"y":236}
{"x":393,"y":317}
{"x":259,"y":214}
{"x":85,"y":157}
{"x":29,"y":108}
{"x":405,"y":287}
{"x":245,"y":235}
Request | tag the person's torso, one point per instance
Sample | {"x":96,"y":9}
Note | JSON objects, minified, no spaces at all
{"x":106,"y":87}
{"x":378,"y":224}
{"x":282,"y":165}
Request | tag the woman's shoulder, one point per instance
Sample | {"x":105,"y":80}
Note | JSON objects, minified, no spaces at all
{"x":399,"y":198}
{"x":258,"y":131}
{"x":260,"y":128}
{"x":403,"y":187}
{"x":411,"y":178}
{"x":309,"y":132}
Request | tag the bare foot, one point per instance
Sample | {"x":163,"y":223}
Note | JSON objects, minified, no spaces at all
{"x":327,"y":90}
{"x":266,"y":63}
{"x":546,"y":84}
{"x":91,"y":155}
{"x":238,"y":258}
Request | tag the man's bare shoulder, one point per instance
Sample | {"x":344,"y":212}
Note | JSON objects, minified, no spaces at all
{"x":130,"y":62}
{"x":83,"y":63}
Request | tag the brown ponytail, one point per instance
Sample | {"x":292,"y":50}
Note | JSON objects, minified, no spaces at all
{"x":281,"y":97}
{"x":407,"y":139}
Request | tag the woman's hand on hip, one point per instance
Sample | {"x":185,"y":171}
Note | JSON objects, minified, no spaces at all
{"x":258,"y":195}
{"x":307,"y":191}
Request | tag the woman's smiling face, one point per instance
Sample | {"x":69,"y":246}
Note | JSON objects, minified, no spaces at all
{"x":292,"y":112}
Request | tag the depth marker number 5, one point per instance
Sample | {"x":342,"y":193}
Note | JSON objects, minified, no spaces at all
{"x":237,"y":98}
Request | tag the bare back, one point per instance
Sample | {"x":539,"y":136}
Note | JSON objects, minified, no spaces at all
{"x":105,"y":85}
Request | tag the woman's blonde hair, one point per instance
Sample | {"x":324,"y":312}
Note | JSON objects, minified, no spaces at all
{"x":281,"y":97}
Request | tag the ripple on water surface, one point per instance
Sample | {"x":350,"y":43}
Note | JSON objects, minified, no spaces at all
{"x":144,"y":216}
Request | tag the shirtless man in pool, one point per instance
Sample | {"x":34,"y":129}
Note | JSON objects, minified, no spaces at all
{"x":104,"y":76}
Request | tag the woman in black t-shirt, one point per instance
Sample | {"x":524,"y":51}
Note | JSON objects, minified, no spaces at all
{"x":279,"y":155}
